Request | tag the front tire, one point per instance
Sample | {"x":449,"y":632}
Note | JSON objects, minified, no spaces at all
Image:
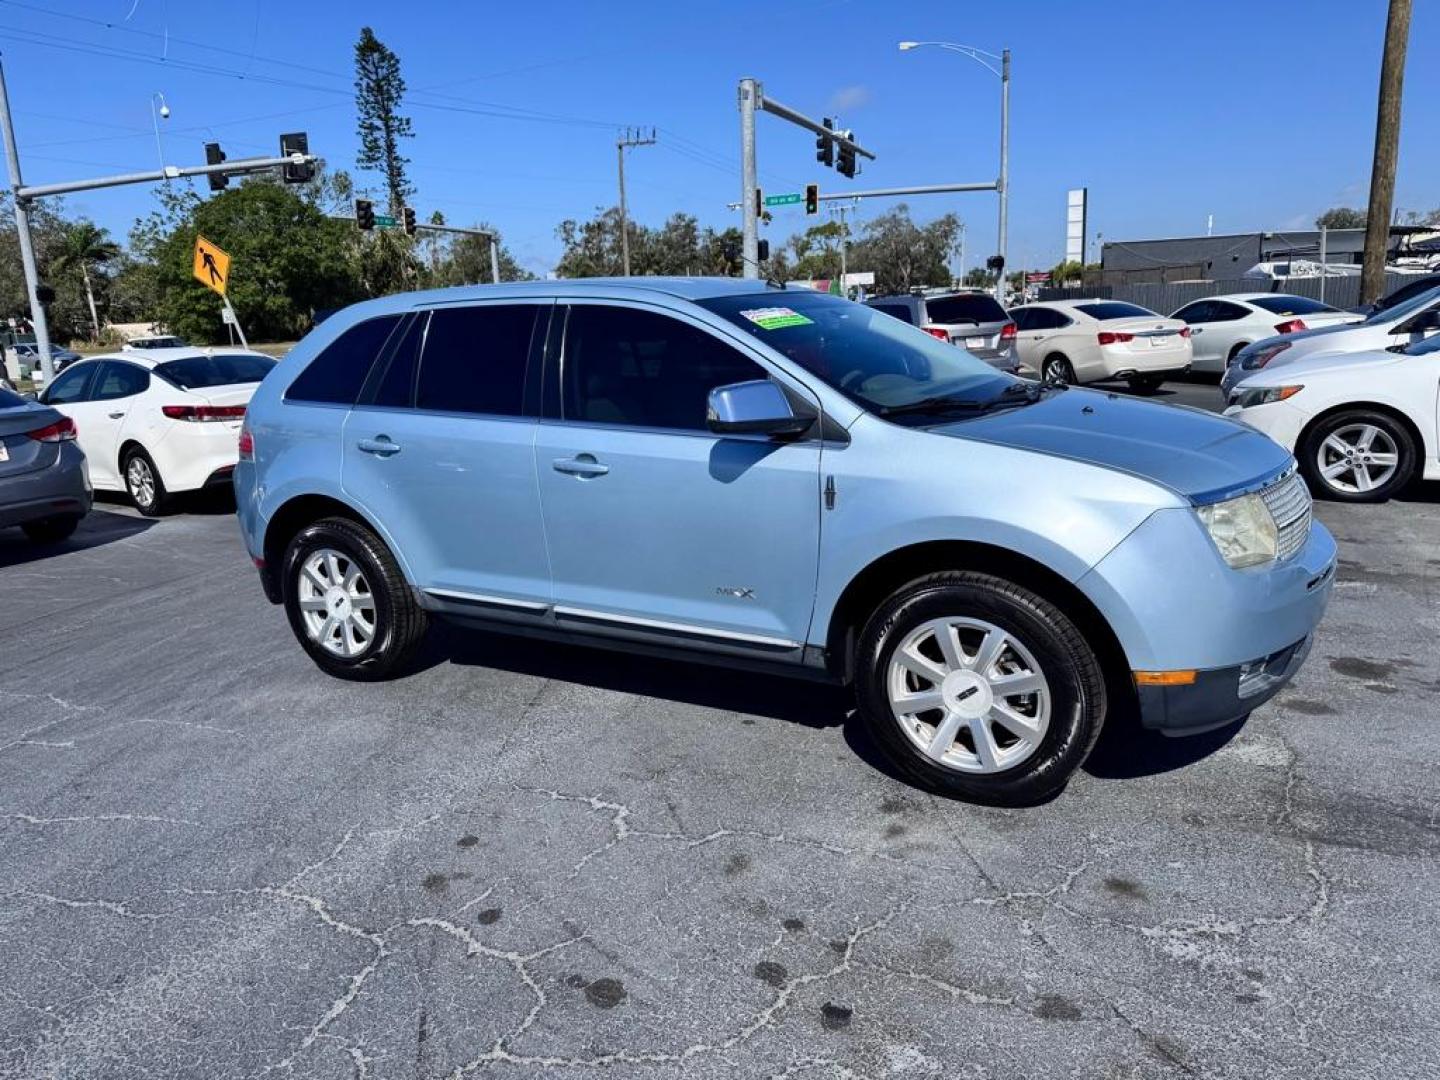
{"x":1146,"y":384}
{"x":143,"y":484}
{"x":1359,"y":456}
{"x":978,"y":688}
{"x":349,"y":605}
{"x":1057,"y":371}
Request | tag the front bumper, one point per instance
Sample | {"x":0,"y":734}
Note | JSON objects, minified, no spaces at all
{"x":1220,"y":696}
{"x":1279,"y":419}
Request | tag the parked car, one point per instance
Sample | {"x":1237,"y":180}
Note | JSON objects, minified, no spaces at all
{"x":781,"y":479}
{"x":1220,"y":326}
{"x":971,"y":320}
{"x":157,"y":341}
{"x":1362,"y":424}
{"x":29,"y":354}
{"x":1084,"y":341}
{"x":155,"y":423}
{"x":44,"y":484}
{"x":1411,"y":288}
{"x":1404,"y":324}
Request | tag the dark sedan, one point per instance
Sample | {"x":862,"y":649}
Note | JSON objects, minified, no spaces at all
{"x":44,"y":482}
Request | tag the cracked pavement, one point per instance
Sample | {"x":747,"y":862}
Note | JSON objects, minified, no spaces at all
{"x":524,"y":859}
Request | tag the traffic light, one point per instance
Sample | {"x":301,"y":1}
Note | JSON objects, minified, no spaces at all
{"x":215,"y":156}
{"x":297,"y":142}
{"x":812,"y":198}
{"x":824,"y":147}
{"x":407,"y":218}
{"x":846,"y":165}
{"x":365,"y":214}
{"x":762,"y":250}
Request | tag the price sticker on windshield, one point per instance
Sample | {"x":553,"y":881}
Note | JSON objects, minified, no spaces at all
{"x":776,"y":318}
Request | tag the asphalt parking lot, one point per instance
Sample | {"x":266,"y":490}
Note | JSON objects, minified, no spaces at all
{"x":217,"y":862}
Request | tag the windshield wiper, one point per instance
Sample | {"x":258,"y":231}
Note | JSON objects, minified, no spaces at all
{"x":1019,"y":393}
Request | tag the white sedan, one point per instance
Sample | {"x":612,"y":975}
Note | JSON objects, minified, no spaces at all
{"x":1220,"y":326}
{"x":1083,"y":341}
{"x":154,"y":423}
{"x":1361,"y":424}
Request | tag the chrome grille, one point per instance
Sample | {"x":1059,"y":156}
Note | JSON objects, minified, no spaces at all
{"x":1289,"y":503}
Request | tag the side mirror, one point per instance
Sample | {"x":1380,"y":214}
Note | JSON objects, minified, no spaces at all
{"x":758,"y":407}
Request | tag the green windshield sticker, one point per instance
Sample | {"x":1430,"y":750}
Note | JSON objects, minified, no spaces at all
{"x":776,"y":318}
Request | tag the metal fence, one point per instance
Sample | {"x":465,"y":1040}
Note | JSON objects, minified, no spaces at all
{"x":1166,"y":297}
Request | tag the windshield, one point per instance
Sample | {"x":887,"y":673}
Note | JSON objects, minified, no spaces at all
{"x":222,"y":369}
{"x":877,"y":361}
{"x":1405,"y":310}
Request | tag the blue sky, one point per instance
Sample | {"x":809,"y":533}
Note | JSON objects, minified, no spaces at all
{"x":1260,"y":114}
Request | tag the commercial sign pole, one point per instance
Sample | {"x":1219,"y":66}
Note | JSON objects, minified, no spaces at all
{"x":27,"y":246}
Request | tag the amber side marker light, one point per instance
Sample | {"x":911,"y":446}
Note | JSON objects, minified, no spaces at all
{"x":1164,"y":678}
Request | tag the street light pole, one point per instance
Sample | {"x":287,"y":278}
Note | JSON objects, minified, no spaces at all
{"x":22,"y":230}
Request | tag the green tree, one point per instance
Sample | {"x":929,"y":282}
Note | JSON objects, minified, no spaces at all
{"x":1341,"y":217}
{"x":1066,"y":271}
{"x":904,"y":255}
{"x":287,"y":261}
{"x":84,"y":246}
{"x":379,"y":89}
{"x":817,"y":251}
{"x":465,"y":259}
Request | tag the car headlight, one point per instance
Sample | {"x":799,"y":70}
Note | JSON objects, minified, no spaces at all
{"x":1248,"y":398}
{"x":1242,"y":530}
{"x":1255,"y":360}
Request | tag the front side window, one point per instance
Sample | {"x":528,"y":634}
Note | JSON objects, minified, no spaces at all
{"x":337,"y":374}
{"x":880,"y":364}
{"x":70,"y":387}
{"x":473,"y":359}
{"x":118,"y":380}
{"x":640,"y":368}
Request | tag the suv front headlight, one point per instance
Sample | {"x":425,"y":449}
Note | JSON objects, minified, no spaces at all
{"x":1242,"y":529}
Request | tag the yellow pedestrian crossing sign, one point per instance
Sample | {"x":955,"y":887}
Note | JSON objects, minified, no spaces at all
{"x":212,"y":266}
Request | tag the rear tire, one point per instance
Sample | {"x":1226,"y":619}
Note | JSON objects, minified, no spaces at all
{"x":349,"y":605}
{"x":143,"y":484}
{"x":959,"y":733}
{"x":1368,"y":455}
{"x":1057,"y":371}
{"x":52,"y":530}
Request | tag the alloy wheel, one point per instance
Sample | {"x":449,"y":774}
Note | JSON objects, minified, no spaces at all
{"x":1357,"y":458}
{"x":336,"y":603}
{"x":969,"y":695}
{"x":140,"y":479}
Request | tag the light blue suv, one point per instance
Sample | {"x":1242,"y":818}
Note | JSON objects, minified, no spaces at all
{"x":771,"y":477}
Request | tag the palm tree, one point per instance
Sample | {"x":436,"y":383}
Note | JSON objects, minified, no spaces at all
{"x":85,"y":244}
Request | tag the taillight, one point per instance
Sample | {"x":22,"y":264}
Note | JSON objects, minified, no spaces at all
{"x":63,"y":430}
{"x":1007,"y":332}
{"x":1184,"y":331}
{"x":1290,"y":326}
{"x":246,"y":444}
{"x":203,"y":413}
{"x":939,"y":333}
{"x":1113,"y":337}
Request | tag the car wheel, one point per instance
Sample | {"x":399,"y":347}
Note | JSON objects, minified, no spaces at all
{"x":1146,"y":384}
{"x":143,"y":483}
{"x":1057,"y":371}
{"x":976,"y":687}
{"x":348,"y":603}
{"x":51,"y":530}
{"x":1358,"y":456}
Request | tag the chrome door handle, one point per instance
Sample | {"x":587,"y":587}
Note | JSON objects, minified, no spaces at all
{"x":582,"y":465}
{"x":381,"y":446}
{"x":115,"y":415}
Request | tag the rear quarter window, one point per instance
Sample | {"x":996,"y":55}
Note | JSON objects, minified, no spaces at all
{"x":337,"y":374}
{"x":1115,"y":309}
{"x":976,"y":308}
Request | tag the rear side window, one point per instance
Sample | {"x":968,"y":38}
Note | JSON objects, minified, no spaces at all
{"x":118,"y":380}
{"x":899,"y":311}
{"x":972,"y":308}
{"x":474,"y":358}
{"x":1115,"y":309}
{"x":1290,"y":305}
{"x":336,"y":375}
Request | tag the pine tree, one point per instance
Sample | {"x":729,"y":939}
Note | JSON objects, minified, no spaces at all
{"x":379,"y":89}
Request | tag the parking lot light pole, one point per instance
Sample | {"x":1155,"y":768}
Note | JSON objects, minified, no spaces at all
{"x":988,"y":60}
{"x":22,"y":230}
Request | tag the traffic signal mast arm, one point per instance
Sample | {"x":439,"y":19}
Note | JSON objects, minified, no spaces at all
{"x":840,"y":139}
{"x":170,"y":172}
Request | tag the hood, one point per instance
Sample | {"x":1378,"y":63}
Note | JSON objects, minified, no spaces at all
{"x":1320,"y":363}
{"x":1197,"y":454}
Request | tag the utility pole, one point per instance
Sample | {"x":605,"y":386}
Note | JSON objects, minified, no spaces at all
{"x":1004,"y":168}
{"x":631,"y":137}
{"x":749,"y":183}
{"x":22,"y":229}
{"x":1387,"y":146}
